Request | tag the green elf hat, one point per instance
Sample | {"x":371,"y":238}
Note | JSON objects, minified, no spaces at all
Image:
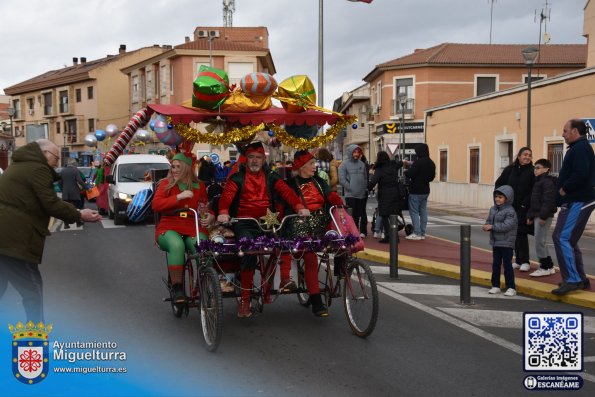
{"x":182,"y":157}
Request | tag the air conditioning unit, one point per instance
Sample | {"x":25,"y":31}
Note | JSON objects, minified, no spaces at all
{"x":203,"y":33}
{"x":214,"y":33}
{"x":31,"y":111}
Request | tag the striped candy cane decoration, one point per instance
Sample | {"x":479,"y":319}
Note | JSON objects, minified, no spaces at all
{"x":137,"y":121}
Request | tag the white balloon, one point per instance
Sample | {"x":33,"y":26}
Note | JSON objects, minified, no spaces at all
{"x":91,"y":140}
{"x":111,"y":130}
{"x":143,"y":136}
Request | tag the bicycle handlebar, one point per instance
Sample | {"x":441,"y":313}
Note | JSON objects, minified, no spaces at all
{"x":259,"y":224}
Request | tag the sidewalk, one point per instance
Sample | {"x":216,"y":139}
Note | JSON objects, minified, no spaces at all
{"x":441,"y":257}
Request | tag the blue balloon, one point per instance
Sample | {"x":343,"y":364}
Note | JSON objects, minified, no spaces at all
{"x":271,"y":133}
{"x":354,"y":126}
{"x":100,"y":135}
{"x":170,"y":126}
{"x":152,"y":125}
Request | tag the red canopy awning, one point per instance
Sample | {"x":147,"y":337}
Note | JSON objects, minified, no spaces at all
{"x":273,"y":115}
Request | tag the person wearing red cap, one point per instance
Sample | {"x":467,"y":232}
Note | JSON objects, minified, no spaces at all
{"x":250,"y":192}
{"x":176,"y":232}
{"x":317,"y":197}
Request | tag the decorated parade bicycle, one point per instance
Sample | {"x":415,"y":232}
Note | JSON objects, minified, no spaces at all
{"x":221,"y":115}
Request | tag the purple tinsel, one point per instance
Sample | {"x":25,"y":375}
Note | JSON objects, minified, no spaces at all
{"x":330,"y":241}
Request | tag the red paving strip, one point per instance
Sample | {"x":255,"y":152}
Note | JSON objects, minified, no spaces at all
{"x":443,"y":251}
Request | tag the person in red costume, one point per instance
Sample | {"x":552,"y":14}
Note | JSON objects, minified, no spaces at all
{"x":250,"y":192}
{"x":176,"y":232}
{"x":317,"y":197}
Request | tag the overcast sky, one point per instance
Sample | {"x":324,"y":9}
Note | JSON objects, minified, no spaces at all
{"x":38,"y":35}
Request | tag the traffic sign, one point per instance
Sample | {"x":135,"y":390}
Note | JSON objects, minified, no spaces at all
{"x":392,"y":148}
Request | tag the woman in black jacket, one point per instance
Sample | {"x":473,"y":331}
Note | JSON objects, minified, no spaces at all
{"x":387,"y":177}
{"x":520,"y":176}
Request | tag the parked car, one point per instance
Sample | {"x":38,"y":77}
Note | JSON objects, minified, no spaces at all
{"x":130,"y":174}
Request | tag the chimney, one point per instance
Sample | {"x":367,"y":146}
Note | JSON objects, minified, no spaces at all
{"x":122,"y":49}
{"x":186,"y":39}
{"x":83,"y":60}
{"x":75,"y":61}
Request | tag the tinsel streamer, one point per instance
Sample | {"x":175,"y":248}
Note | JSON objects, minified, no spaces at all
{"x":223,"y":138}
{"x":266,"y":243}
{"x":321,"y":140}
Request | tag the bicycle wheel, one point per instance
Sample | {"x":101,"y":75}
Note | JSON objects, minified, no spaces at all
{"x":360,"y":298}
{"x":303,"y":297}
{"x":211,"y":308}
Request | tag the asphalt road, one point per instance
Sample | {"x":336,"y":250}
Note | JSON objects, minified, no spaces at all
{"x":104,"y":283}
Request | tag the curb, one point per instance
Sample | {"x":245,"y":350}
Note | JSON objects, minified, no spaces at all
{"x":526,"y":287}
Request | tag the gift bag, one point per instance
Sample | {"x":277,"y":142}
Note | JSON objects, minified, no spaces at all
{"x":92,"y":193}
{"x":345,"y":225}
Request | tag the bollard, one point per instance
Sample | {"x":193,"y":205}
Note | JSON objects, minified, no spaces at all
{"x":393,"y":239}
{"x":465,"y":277}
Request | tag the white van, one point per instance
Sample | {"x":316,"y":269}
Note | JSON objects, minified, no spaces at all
{"x":129,"y":176}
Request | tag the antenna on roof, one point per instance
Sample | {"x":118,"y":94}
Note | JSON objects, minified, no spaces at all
{"x":491,"y":16}
{"x":544,"y":17}
{"x":228,"y":9}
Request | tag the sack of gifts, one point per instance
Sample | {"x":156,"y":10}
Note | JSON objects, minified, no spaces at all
{"x":346,"y":225}
{"x":310,"y":226}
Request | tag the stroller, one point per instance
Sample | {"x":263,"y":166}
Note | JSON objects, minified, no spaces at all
{"x":403,"y":204}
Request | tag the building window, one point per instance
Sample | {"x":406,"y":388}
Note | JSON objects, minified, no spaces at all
{"x":57,"y":127}
{"x":90,"y":92}
{"x":91,"y":125}
{"x":163,"y":78}
{"x":30,"y":106}
{"x":197,"y":66}
{"x":134,"y":88}
{"x":443,"y":165}
{"x":16,"y":105}
{"x":237,"y":70}
{"x":78,"y":95}
{"x":71,"y":131}
{"x":555,"y":154}
{"x":47,"y":104}
{"x":474,"y":165}
{"x":63,"y":98}
{"x":379,"y":94}
{"x":404,"y":86}
{"x":485,"y":84}
{"x":149,"y":87}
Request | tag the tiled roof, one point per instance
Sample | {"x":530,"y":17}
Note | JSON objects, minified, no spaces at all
{"x":490,"y":54}
{"x":219,"y":45}
{"x":69,"y":74}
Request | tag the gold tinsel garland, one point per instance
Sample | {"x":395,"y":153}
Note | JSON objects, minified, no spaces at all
{"x":243,"y":133}
{"x":220,"y":138}
{"x":318,"y":141}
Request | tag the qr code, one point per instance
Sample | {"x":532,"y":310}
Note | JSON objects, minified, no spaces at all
{"x":553,"y":341}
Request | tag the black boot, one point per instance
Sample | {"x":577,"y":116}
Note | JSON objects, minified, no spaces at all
{"x":318,"y":308}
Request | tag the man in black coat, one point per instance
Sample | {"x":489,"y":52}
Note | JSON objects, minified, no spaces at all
{"x":421,"y":173}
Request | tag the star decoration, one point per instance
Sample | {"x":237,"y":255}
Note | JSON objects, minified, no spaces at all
{"x":270,"y":219}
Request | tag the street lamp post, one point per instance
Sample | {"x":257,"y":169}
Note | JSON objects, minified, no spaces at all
{"x":402,"y":98}
{"x":370,"y":125}
{"x":11,"y":113}
{"x":530,"y":55}
{"x":210,"y":39}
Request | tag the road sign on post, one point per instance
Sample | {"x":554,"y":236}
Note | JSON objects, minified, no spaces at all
{"x":392,"y":148}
